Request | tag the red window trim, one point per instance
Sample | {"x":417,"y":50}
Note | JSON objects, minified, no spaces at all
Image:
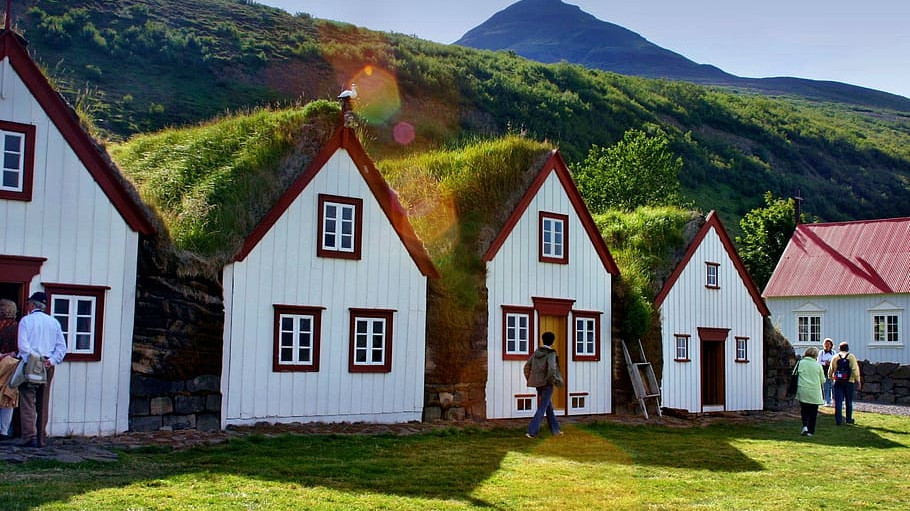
{"x":356,"y":314}
{"x":358,"y":226}
{"x":98,"y":292}
{"x":736,"y":350}
{"x":688,"y":347}
{"x":565,"y":238}
{"x":28,"y":168}
{"x":532,"y":344}
{"x":586,"y":315}
{"x":716,"y":275}
{"x":280,"y":309}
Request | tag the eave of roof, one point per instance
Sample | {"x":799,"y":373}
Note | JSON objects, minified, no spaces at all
{"x":66,"y":120}
{"x":556,"y":164}
{"x":345,"y":138}
{"x":713,"y":222}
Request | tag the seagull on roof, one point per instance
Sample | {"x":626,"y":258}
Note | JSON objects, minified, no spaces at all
{"x":349,"y":93}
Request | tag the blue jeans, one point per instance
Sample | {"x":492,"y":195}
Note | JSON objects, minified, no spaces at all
{"x":544,"y":405}
{"x":843,"y":393}
{"x":826,"y":390}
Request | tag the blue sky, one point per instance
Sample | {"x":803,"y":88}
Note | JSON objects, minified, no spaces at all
{"x":861,"y":42}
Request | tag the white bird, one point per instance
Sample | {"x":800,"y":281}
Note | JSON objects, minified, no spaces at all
{"x":349,"y":93}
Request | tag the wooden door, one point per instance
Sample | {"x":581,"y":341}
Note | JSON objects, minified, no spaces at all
{"x":557,"y":325}
{"x":712,"y":374}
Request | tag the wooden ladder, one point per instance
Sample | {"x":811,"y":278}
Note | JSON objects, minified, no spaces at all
{"x":643,"y":380}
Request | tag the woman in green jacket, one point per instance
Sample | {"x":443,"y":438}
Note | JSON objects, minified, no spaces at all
{"x":809,"y":389}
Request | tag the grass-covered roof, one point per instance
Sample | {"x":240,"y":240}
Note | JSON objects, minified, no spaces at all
{"x":211,"y":184}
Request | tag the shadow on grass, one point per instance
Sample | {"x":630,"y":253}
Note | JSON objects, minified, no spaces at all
{"x":448,"y":465}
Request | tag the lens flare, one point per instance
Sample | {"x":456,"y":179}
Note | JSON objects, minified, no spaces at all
{"x":403,"y":133}
{"x":378,"y":98}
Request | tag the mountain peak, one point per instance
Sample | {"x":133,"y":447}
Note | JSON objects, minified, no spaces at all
{"x":552,"y":31}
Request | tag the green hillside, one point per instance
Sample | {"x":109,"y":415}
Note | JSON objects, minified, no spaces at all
{"x":141,"y":65}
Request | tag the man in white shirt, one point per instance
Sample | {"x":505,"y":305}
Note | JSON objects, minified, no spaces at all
{"x":824,"y":358}
{"x":39,"y":335}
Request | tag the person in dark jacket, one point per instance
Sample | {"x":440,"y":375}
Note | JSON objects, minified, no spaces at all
{"x":542,"y":373}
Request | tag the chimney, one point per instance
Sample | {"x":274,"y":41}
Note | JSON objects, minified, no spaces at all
{"x":9,"y":7}
{"x":797,"y":201}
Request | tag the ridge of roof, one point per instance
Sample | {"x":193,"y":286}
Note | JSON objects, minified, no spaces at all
{"x":712,"y":221}
{"x":62,"y":115}
{"x":555,"y":163}
{"x":345,"y":138}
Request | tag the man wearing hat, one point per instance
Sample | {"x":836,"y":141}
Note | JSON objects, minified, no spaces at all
{"x":39,"y":335}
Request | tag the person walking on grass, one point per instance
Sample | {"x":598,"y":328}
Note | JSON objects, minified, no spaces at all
{"x":824,"y":358}
{"x":844,"y":371}
{"x":542,"y":373}
{"x":809,"y":389}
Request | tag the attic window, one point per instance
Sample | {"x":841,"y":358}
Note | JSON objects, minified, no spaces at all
{"x":554,"y":238}
{"x":340,"y":227}
{"x":711,"y":275}
{"x":17,"y":160}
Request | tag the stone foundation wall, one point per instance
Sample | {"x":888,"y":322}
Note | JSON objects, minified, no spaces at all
{"x":779,"y":360}
{"x":454,"y":402}
{"x":885,"y":382}
{"x":177,"y":344}
{"x":171,"y":405}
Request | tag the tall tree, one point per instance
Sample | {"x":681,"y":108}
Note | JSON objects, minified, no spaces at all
{"x":639,"y":170}
{"x":766,"y":231}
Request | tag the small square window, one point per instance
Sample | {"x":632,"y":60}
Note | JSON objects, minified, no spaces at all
{"x":579,"y":401}
{"x":17,"y":155}
{"x":340,"y":226}
{"x":554,"y":238}
{"x":296,"y":338}
{"x":80,"y":312}
{"x":371,"y":341}
{"x":712,"y":271}
{"x":524,"y":403}
{"x":742,"y":349}
{"x":682,"y":348}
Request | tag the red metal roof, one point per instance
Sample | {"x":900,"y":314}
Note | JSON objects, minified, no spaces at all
{"x":845,"y":258}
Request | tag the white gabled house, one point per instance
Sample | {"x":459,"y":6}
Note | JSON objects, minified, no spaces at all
{"x":712,"y":327}
{"x":326,"y":302}
{"x":69,"y":227}
{"x":548,"y":269}
{"x":849,"y":281}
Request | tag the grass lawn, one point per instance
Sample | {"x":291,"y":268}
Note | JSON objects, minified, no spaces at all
{"x":602,"y":465}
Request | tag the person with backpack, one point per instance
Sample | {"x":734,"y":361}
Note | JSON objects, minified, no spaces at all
{"x":811,"y":377}
{"x":844,"y":370}
{"x":542,"y":373}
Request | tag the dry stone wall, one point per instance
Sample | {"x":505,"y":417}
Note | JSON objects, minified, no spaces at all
{"x":177,"y":345}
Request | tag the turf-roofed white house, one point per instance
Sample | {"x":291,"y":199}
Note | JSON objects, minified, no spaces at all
{"x":849,"y":281}
{"x":326,"y":302}
{"x":548,"y":269}
{"x":70,"y":228}
{"x":712,"y":324}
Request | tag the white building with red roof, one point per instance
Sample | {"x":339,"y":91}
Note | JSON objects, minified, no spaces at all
{"x":849,"y":281}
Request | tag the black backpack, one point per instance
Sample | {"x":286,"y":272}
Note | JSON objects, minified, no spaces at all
{"x":842,"y":369}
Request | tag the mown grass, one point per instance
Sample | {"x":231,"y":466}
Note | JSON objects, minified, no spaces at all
{"x":604,"y":465}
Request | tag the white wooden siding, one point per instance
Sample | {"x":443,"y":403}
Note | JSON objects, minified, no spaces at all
{"x":690,"y":305}
{"x":71,"y":222}
{"x":283,"y":269}
{"x":846,"y":318}
{"x":515,"y":275}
